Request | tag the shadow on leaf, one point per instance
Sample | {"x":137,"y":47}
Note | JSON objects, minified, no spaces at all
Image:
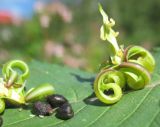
{"x":93,"y":100}
{"x":83,"y":79}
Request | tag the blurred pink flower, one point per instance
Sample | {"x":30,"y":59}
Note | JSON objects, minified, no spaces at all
{"x":77,"y":49}
{"x":62,"y":10}
{"x":39,"y":6}
{"x":74,"y":62}
{"x":54,"y":49}
{"x":44,"y":20}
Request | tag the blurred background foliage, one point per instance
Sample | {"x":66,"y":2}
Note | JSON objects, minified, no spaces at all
{"x":67,"y":32}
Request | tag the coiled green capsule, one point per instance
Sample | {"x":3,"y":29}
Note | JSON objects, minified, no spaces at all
{"x":15,"y":73}
{"x":139,"y":55}
{"x":109,"y":80}
{"x":137,"y":77}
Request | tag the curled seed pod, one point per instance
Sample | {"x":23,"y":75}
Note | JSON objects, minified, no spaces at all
{"x":1,"y":121}
{"x":109,"y":80}
{"x":2,"y":105}
{"x":65,"y":112}
{"x":137,"y":54}
{"x":137,"y":77}
{"x":42,"y":108}
{"x":39,"y":93}
{"x":56,"y":100}
{"x":15,"y":73}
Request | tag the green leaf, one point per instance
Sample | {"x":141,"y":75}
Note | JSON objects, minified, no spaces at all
{"x":139,"y":108}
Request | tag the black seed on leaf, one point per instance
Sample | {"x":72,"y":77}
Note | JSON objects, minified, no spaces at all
{"x":56,"y":100}
{"x":42,"y":108}
{"x":1,"y":121}
{"x":65,"y":112}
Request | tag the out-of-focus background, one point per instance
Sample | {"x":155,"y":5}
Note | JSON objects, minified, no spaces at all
{"x":67,"y":31}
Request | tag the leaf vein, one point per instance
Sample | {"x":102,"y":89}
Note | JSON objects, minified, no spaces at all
{"x":75,"y":94}
{"x":130,"y":114}
{"x":98,"y":117}
{"x":154,"y":118}
{"x":18,"y":121}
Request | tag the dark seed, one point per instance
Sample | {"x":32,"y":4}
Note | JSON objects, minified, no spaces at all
{"x":1,"y":121}
{"x":65,"y":112}
{"x":56,"y":100}
{"x":42,"y":108}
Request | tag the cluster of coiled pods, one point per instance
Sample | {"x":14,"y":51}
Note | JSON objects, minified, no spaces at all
{"x":41,"y":98}
{"x":125,"y":69}
{"x":12,"y":86}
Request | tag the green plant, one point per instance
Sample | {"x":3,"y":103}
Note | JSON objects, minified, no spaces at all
{"x":140,"y":107}
{"x":15,"y":73}
{"x":2,"y":105}
{"x":131,"y":66}
{"x":12,"y":85}
{"x":39,"y":93}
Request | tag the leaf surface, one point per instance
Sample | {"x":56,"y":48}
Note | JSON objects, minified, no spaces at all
{"x":136,"y":109}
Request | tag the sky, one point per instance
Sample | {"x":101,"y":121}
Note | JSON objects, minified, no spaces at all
{"x":22,"y":8}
